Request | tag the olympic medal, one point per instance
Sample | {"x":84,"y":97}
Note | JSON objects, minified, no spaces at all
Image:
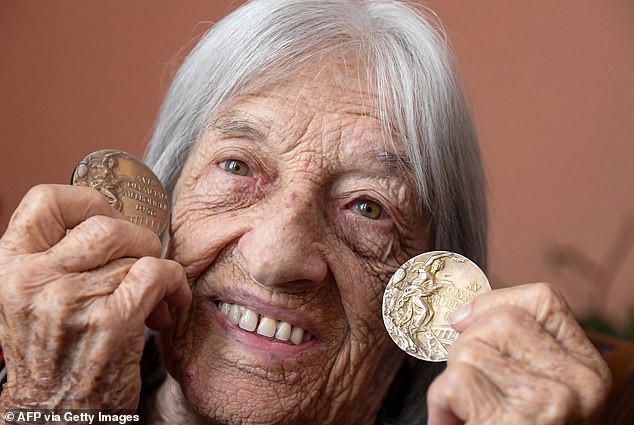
{"x":420,"y":297}
{"x":128,"y":185}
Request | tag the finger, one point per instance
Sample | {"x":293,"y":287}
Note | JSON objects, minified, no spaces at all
{"x":548,"y":307}
{"x":509,"y":343}
{"x":100,"y":239}
{"x":476,"y":396}
{"x":462,"y":394}
{"x":437,"y":415}
{"x":151,"y":280}
{"x":47,"y":211}
{"x":540,"y":300}
{"x":514,"y":333}
{"x":159,"y":319}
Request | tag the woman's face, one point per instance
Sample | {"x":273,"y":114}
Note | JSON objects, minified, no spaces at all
{"x":290,"y":216}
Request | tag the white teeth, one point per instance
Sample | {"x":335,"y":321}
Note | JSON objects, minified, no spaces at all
{"x":267,"y":326}
{"x":234,"y":314}
{"x":283,"y":331}
{"x":297,"y":335}
{"x":249,"y":320}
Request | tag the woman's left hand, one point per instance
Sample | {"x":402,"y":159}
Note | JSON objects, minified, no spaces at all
{"x":521,"y":358}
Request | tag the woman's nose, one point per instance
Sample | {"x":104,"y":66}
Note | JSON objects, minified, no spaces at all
{"x":283,"y":247}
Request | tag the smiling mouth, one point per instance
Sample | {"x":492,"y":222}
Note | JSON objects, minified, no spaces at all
{"x":266,"y":326}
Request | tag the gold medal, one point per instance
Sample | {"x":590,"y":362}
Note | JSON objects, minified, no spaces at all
{"x":128,"y":185}
{"x":420,"y":297}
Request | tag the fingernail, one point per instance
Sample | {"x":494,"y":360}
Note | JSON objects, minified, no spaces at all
{"x":461,"y":314}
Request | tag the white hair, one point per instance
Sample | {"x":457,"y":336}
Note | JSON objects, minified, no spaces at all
{"x":412,"y":72}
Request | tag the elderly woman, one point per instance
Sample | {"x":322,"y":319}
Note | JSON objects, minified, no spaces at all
{"x":309,"y":148}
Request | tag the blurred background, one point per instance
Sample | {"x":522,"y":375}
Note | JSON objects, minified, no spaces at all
{"x":551,"y":85}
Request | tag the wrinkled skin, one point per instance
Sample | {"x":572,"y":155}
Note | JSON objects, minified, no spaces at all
{"x":287,"y":234}
{"x":285,"y":240}
{"x":521,"y":358}
{"x":78,"y":281}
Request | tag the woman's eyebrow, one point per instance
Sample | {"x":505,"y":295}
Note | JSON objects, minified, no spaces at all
{"x":240,"y":122}
{"x":393,"y":163}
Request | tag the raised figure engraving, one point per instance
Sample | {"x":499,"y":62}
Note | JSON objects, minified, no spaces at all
{"x":414,"y":299}
{"x":128,"y":185}
{"x":105,"y":180}
{"x":420,"y":297}
{"x":99,"y":174}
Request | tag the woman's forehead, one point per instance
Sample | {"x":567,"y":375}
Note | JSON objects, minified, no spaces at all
{"x":329,"y":95}
{"x":314,"y":122}
{"x":341,"y":79}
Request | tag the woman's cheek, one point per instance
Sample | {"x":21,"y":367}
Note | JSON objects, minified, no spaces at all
{"x":371,"y":261}
{"x":201,"y":227}
{"x":361,"y":295}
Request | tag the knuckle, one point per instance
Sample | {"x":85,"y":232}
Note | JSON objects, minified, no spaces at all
{"x":552,"y":308}
{"x":593,"y":390}
{"x":548,"y":294}
{"x":559,"y":405}
{"x":442,"y":385}
{"x":598,"y":382}
{"x":150,"y":264}
{"x":434,"y":389}
{"x":104,"y":231}
{"x":101,"y":224}
{"x":176,"y":268}
{"x":459,"y":375}
{"x":463,"y":351}
{"x":40,"y":194}
{"x":604,"y":374}
{"x":466,"y":347}
{"x":544,"y":289}
{"x":160,"y":266}
{"x":33,"y":204}
{"x":147,"y":270}
{"x":110,"y":234}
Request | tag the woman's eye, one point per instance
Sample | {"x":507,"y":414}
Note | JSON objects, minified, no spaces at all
{"x":236,"y":167}
{"x":368,"y":209}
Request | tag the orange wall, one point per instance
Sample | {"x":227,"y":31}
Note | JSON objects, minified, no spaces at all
{"x":551,"y":84}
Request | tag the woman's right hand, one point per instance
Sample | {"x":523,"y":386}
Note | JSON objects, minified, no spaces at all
{"x":77,"y":283}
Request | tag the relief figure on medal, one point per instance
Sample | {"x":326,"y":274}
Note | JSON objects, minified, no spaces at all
{"x":127,"y":184}
{"x":99,"y":174}
{"x":415,"y":299}
{"x":421,"y":296}
{"x":413,"y":307}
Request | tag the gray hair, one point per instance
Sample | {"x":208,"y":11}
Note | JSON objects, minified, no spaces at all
{"x":420,"y":99}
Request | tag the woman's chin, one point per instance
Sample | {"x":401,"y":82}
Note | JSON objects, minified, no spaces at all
{"x":225,"y":370}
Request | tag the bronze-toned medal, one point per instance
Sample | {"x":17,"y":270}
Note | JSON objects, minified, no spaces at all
{"x":128,"y":185}
{"x":420,"y":297}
